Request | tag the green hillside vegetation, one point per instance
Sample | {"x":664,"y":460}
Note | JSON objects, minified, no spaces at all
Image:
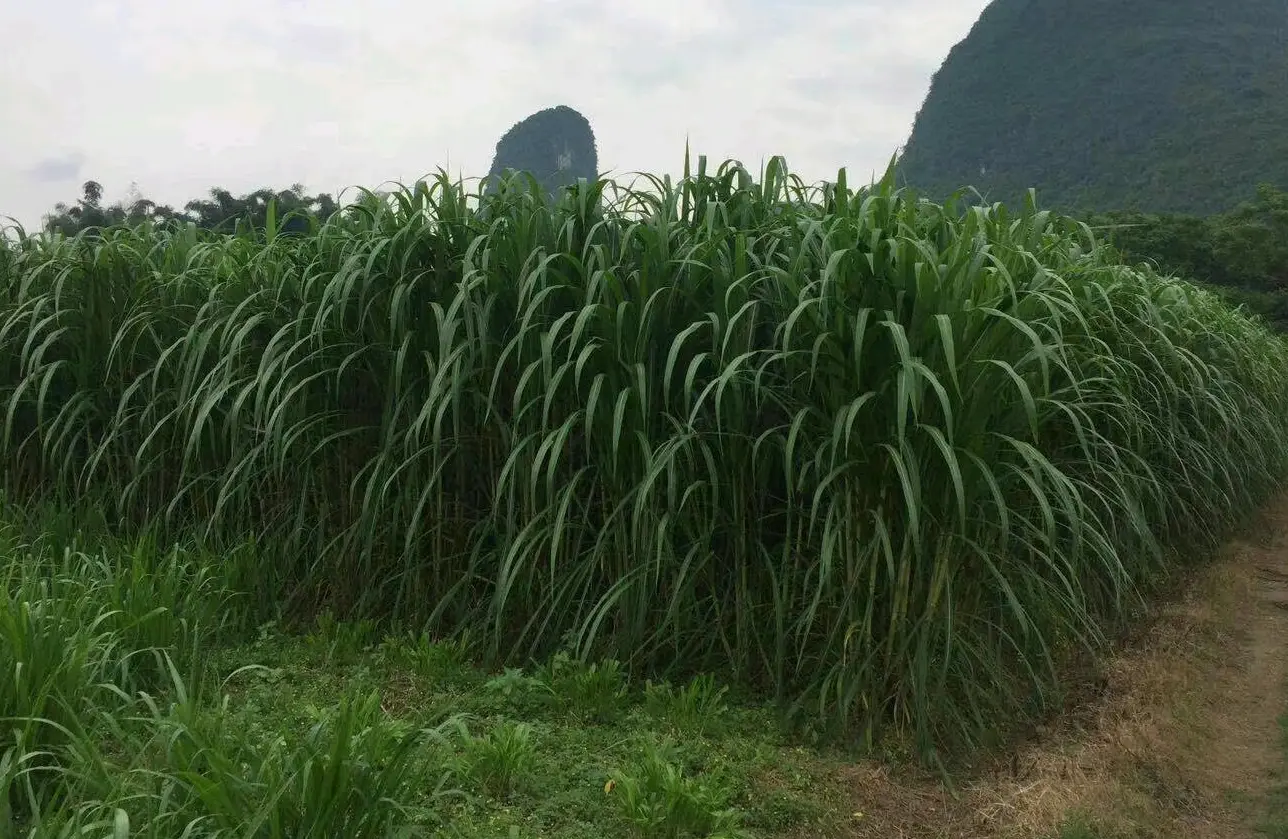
{"x":1159,"y":106}
{"x":1242,"y":254}
{"x":882,"y":466}
{"x":556,"y":146}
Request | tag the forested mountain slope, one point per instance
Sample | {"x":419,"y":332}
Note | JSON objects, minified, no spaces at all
{"x":1158,"y":105}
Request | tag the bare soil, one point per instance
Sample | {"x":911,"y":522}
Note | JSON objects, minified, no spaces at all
{"x":1183,"y":739}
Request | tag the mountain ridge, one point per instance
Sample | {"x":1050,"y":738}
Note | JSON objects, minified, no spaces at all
{"x":1176,"y":106}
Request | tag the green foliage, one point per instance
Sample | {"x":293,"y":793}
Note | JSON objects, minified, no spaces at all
{"x":1156,"y":105}
{"x":696,"y":708}
{"x":501,"y":758}
{"x":342,"y":641}
{"x":79,"y":633}
{"x":73,"y":625}
{"x":556,"y":146}
{"x":594,"y":690}
{"x":513,"y":683}
{"x":344,"y":777}
{"x":266,"y":750}
{"x":290,"y":208}
{"x":1244,"y":253}
{"x":885,"y":460}
{"x":660,"y":802}
{"x":423,"y":655}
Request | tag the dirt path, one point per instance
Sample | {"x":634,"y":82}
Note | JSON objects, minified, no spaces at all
{"x":1184,"y":740}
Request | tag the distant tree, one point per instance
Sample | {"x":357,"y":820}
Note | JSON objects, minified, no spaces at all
{"x":93,"y":192}
{"x":220,"y":211}
{"x":86,"y":212}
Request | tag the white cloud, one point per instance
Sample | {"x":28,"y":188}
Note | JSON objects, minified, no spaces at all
{"x":250,"y":93}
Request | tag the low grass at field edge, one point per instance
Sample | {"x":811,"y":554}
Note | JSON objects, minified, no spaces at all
{"x":173,"y":712}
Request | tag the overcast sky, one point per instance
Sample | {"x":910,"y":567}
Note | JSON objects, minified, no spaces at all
{"x":180,"y":97}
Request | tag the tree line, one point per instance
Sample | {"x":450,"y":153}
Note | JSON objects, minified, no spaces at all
{"x":219,"y":210}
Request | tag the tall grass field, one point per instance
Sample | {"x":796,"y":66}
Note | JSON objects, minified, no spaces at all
{"x":885,"y":462}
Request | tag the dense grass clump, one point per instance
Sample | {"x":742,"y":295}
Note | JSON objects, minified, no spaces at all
{"x":884,"y":458}
{"x":138,"y":702}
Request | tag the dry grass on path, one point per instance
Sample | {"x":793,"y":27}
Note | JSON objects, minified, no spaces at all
{"x":1183,"y":740}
